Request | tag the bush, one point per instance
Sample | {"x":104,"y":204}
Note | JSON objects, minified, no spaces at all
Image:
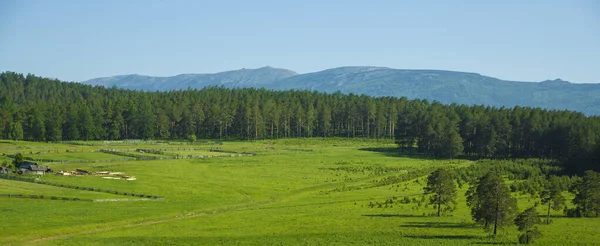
{"x":191,"y":138}
{"x":573,"y":212}
{"x":530,"y":236}
{"x":406,"y":200}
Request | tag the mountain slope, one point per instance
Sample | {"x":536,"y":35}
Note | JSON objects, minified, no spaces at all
{"x":237,"y":78}
{"x":439,"y":85}
{"x":449,"y":87}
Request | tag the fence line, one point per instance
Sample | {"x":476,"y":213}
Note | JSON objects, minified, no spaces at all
{"x":138,"y":157}
{"x":36,"y":181}
{"x":137,"y":141}
{"x":47,"y":197}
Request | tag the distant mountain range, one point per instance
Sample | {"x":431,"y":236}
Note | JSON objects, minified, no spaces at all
{"x":439,"y":85}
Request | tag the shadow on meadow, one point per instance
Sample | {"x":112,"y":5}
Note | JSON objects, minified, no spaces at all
{"x":396,"y":152}
{"x":395,"y":215}
{"x":308,"y":205}
{"x":461,"y":237}
{"x":481,"y":240}
{"x":437,"y":225}
{"x":503,"y":243}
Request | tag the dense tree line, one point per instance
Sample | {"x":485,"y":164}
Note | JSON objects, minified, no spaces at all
{"x":41,"y":109}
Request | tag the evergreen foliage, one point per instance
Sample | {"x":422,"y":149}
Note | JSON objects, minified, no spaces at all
{"x":587,"y":194}
{"x":491,"y":202}
{"x":526,"y":222}
{"x":442,"y":189}
{"x":552,"y":196}
{"x":40,"y":109}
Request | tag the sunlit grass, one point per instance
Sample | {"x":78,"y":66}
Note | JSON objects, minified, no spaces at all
{"x":283,"y":195}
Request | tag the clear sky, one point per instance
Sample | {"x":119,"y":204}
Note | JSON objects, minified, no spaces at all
{"x":522,"y":40}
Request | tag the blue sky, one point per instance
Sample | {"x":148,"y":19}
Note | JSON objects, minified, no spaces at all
{"x":516,"y":40}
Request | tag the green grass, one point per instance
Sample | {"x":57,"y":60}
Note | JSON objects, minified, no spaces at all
{"x":71,"y":156}
{"x":288,"y":194}
{"x":25,"y":188}
{"x":196,"y":153}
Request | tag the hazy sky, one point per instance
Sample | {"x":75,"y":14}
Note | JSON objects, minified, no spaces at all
{"x":516,"y":40}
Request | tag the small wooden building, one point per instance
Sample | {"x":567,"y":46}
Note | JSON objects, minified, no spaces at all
{"x":28,"y":167}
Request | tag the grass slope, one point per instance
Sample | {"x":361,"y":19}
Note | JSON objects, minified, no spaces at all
{"x":290,"y":193}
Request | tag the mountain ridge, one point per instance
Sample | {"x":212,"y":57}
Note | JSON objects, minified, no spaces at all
{"x":435,"y":85}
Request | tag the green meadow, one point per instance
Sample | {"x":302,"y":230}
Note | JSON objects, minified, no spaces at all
{"x":290,"y":192}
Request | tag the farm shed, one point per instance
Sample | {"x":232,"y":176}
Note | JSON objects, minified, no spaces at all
{"x":32,"y":168}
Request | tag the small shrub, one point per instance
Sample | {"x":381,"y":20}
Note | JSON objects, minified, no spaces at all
{"x":530,"y":237}
{"x":573,"y":212}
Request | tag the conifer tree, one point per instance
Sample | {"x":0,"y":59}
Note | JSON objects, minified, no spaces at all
{"x":491,"y":202}
{"x":442,"y":189}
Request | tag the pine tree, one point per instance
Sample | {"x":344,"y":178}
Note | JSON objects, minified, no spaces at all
{"x":53,"y":124}
{"x":18,"y":160}
{"x":587,"y":194}
{"x":441,"y":185}
{"x":16,"y":131}
{"x":526,"y":222}
{"x":325,"y":116}
{"x":491,"y":202}
{"x":71,"y":127}
{"x":552,"y":196}
{"x":87,"y":128}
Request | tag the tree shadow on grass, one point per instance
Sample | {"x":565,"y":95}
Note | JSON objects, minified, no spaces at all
{"x":394,"y":215}
{"x":396,"y":152}
{"x":504,"y":243}
{"x":437,"y":225}
{"x":446,"y":237}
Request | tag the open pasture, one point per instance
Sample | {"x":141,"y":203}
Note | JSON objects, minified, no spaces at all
{"x":298,"y":191}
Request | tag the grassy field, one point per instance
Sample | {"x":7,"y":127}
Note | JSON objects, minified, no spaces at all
{"x":297,"y":191}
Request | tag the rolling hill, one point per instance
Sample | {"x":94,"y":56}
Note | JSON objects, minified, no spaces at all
{"x":438,"y":85}
{"x":237,"y":78}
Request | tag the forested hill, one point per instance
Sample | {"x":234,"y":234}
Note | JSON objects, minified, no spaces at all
{"x":442,"y":86}
{"x":238,"y":78}
{"x":39,"y":109}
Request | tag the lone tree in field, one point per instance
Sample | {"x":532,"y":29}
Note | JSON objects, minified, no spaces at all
{"x":587,"y":194}
{"x":526,"y":222}
{"x":491,"y":202}
{"x":18,"y":160}
{"x":552,"y":196}
{"x":442,"y":188}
